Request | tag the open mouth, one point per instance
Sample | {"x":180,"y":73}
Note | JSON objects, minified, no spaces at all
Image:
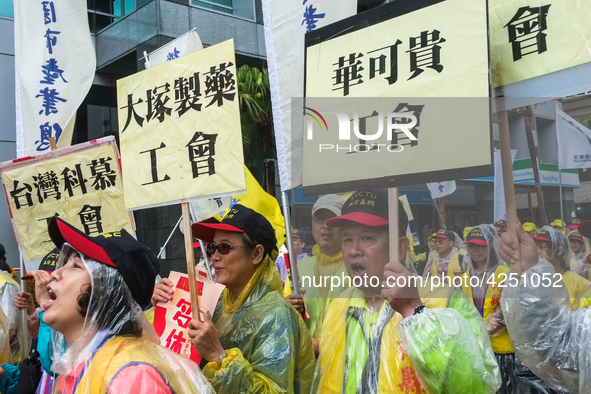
{"x":357,"y":269}
{"x":52,"y":298}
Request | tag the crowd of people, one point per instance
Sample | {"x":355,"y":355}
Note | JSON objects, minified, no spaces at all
{"x":454,"y":319}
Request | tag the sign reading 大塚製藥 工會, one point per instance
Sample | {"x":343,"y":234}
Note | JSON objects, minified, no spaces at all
{"x":179,"y":125}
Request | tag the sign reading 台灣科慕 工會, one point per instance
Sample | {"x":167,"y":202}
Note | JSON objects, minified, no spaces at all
{"x":80,"y":184}
{"x":179,"y":125}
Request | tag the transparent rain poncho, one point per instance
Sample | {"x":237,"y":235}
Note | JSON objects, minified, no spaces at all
{"x":269,"y":348}
{"x":5,"y":356}
{"x":8,"y":290}
{"x":444,"y":349}
{"x":549,"y":338}
{"x":113,"y":352}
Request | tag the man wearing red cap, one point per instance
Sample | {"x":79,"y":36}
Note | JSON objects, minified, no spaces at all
{"x":383,"y":335}
{"x":451,"y":259}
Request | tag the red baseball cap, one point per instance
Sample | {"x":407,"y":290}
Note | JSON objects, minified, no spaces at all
{"x":585,"y":228}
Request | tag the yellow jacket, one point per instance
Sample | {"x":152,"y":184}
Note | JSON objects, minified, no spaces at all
{"x":501,"y":343}
{"x":576,"y":286}
{"x":360,"y":347}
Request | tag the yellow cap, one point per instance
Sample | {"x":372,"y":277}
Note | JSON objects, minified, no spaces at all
{"x":466,"y":231}
{"x":529,"y":226}
{"x":556,"y":223}
{"x":431,"y":237}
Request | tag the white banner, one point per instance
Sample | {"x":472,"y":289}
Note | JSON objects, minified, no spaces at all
{"x":574,"y":142}
{"x":181,"y":46}
{"x":55,"y":65}
{"x":286,"y":23}
{"x":500,"y":212}
{"x":441,"y":189}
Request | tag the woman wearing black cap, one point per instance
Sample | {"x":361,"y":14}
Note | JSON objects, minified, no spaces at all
{"x":94,"y":298}
{"x":255,"y":341}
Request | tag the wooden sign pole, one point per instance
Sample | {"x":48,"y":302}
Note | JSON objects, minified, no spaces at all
{"x":393,"y":223}
{"x":508,"y":185}
{"x":188,"y":232}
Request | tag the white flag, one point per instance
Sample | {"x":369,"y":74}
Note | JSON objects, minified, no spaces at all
{"x":286,"y":23}
{"x":500,"y":211}
{"x":183,"y":45}
{"x":574,"y":142}
{"x":441,"y":189}
{"x":55,"y":65}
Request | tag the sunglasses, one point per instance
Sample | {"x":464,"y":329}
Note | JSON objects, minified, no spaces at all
{"x":222,"y":248}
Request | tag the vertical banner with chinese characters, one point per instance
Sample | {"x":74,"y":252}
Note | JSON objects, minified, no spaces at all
{"x":55,"y":64}
{"x":286,"y":23}
{"x":179,"y":126}
{"x":80,"y":184}
{"x":171,"y":319}
{"x":399,"y":101}
{"x":529,"y":38}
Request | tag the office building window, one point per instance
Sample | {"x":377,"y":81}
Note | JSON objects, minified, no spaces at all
{"x":241,"y":8}
{"x":7,"y":8}
{"x":101,"y":13}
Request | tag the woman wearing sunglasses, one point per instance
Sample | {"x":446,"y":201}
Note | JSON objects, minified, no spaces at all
{"x":255,"y":342}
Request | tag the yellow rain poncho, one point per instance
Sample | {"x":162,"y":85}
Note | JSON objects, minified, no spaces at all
{"x":269,"y":348}
{"x":441,"y":350}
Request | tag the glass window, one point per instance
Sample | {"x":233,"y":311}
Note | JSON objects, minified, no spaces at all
{"x":241,"y":8}
{"x":7,"y":8}
{"x":101,"y":13}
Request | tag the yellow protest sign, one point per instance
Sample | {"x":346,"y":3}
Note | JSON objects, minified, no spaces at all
{"x":262,"y":202}
{"x":529,"y":38}
{"x":424,"y":53}
{"x":82,"y":184}
{"x":179,"y":126}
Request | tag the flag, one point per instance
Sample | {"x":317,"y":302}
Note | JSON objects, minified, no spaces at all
{"x":441,"y":189}
{"x":183,"y":45}
{"x":286,"y":23}
{"x":262,"y":202}
{"x":574,"y":142}
{"x":500,"y":211}
{"x":55,"y":65}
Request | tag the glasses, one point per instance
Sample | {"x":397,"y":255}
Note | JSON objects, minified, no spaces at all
{"x":223,"y":248}
{"x":320,"y":219}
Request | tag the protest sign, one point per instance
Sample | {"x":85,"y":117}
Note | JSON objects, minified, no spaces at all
{"x":171,"y":319}
{"x":81,"y":184}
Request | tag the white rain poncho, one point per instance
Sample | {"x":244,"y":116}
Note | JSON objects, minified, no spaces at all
{"x":553,"y":341}
{"x":113,"y":353}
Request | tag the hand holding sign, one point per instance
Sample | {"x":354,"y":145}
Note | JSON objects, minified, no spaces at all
{"x":205,"y":338}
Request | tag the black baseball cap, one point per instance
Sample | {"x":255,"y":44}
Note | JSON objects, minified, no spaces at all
{"x":135,"y":262}
{"x":240,"y":219}
{"x":500,"y":229}
{"x":367,"y":207}
{"x":475,"y":236}
{"x":585,"y":228}
{"x":48,"y":263}
{"x":576,"y":236}
{"x":296,"y":233}
{"x":501,"y":223}
{"x":543,"y":235}
{"x":573,"y":223}
{"x":445,"y":234}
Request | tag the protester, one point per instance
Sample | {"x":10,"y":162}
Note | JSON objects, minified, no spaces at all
{"x":451,"y":259}
{"x":530,"y":228}
{"x":483,"y":283}
{"x":298,"y":247}
{"x":577,"y":246}
{"x":255,"y":341}
{"x":385,"y":338}
{"x":554,"y":247}
{"x":327,"y":261}
{"x":553,"y":341}
{"x":95,"y":298}
{"x":557,"y":225}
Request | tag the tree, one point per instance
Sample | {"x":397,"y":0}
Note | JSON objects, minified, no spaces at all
{"x":257,"y":122}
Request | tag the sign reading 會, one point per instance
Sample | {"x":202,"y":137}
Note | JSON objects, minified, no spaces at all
{"x":529,"y":38}
{"x":82,"y":185}
{"x":179,"y":126}
{"x":399,"y":101}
